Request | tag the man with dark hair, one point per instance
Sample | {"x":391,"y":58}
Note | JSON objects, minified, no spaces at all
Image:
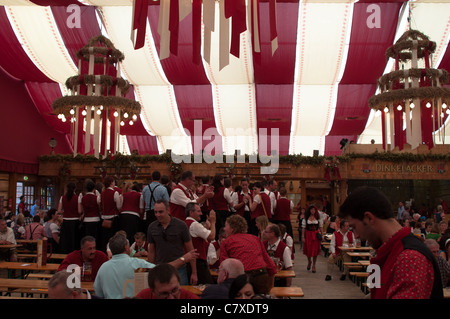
{"x":151,"y":193}
{"x":168,"y":239}
{"x":183,"y":193}
{"x":407,"y":267}
{"x":164,"y":283}
{"x":201,"y":236}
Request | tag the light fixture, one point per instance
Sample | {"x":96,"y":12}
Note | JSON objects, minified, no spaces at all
{"x":412,"y":82}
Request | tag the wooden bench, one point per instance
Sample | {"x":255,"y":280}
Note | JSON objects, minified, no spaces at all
{"x":39,"y":276}
{"x":353,"y":265}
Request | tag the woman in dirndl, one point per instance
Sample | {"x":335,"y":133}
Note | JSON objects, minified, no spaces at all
{"x":311,"y":236}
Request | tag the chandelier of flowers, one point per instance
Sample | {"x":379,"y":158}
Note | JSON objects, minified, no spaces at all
{"x":412,"y":97}
{"x":97,"y":106}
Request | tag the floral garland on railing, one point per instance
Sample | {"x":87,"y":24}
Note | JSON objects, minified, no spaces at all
{"x":295,"y":160}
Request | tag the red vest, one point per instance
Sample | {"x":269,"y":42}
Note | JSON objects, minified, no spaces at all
{"x":279,"y":251}
{"x":109,"y":207}
{"x":90,"y":206}
{"x":131,"y":202}
{"x":70,"y":207}
{"x":199,"y":243}
{"x":218,"y":202}
{"x":240,"y":211}
{"x":339,"y":238}
{"x":259,"y":211}
{"x":283,"y":210}
{"x":176,"y":210}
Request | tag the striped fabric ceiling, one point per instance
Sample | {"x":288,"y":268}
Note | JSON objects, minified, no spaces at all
{"x":308,"y":95}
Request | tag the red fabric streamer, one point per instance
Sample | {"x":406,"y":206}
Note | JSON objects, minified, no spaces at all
{"x":140,"y":21}
{"x":398,"y":127}
{"x":238,"y":25}
{"x":112,"y":132}
{"x":426,"y":122}
{"x":273,"y":19}
{"x":196,"y":31}
{"x":80,"y":135}
{"x":174,"y":25}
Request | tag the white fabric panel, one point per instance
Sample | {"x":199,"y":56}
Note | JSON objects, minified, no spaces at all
{"x":109,"y":2}
{"x":321,"y":35}
{"x":16,"y":3}
{"x":36,"y":29}
{"x":235,"y":114}
{"x":306,"y":145}
{"x":161,"y":117}
{"x":372,"y":130}
{"x":140,"y":67}
{"x":433,"y":20}
{"x":321,"y":51}
{"x":238,"y":71}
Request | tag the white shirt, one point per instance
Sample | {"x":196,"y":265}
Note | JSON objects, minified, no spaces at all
{"x":178,"y":197}
{"x":8,"y":236}
{"x":287,"y":261}
{"x":198,"y":230}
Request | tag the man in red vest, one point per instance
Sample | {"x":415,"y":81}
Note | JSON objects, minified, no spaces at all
{"x":283,"y":210}
{"x":259,"y":206}
{"x":278,"y":251}
{"x":343,"y":237}
{"x":183,"y":194}
{"x":201,"y":237}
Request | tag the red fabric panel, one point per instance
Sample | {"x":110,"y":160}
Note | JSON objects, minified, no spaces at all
{"x":195,"y":103}
{"x":25,"y":134}
{"x":180,"y":70}
{"x":351,"y":108}
{"x":143,"y":144}
{"x":13,"y":59}
{"x":274,"y":108}
{"x":365,"y":64}
{"x":274,"y":75}
{"x":18,"y":167}
{"x":279,"y":68}
{"x":43,"y":95}
{"x":76,"y":38}
{"x":192,"y":88}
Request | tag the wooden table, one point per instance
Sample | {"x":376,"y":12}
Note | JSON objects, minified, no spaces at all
{"x":288,"y":292}
{"x":25,"y":268}
{"x":280,"y":274}
{"x":41,"y":286}
{"x":358,"y":254}
{"x":52,"y":256}
{"x":362,"y":248}
{"x":9,"y":246}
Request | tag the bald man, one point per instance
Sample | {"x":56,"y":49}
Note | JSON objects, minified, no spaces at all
{"x":229,"y":269}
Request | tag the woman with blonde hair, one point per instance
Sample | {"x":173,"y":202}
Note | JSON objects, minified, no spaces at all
{"x":261,"y":223}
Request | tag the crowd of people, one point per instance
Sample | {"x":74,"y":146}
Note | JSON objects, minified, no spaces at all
{"x":180,"y":231}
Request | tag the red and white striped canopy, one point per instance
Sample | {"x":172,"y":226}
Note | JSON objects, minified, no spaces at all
{"x":307,"y":95}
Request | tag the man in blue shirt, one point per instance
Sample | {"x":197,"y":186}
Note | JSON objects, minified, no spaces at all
{"x":119,"y":270}
{"x":151,"y":193}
